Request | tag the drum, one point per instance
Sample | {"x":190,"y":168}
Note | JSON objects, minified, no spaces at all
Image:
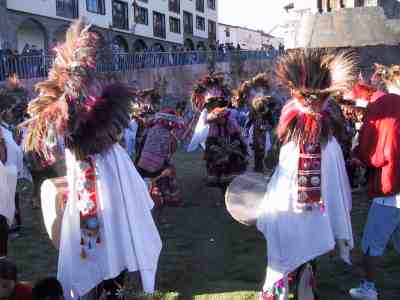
{"x":53,"y":193}
{"x":244,"y":196}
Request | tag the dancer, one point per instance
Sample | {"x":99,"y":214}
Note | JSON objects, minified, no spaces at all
{"x":107,"y":227}
{"x":225,"y":152}
{"x":306,"y":210}
{"x":387,"y":78}
{"x":254,"y":94}
{"x":378,"y":150}
{"x":11,"y":166}
{"x":155,"y":159}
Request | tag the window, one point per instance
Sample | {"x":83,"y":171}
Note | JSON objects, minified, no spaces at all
{"x":200,"y":23}
{"x":120,"y":14}
{"x":188,"y":22}
{"x":67,"y":9}
{"x":174,"y":6}
{"x":159,"y":25}
{"x":96,"y":6}
{"x":227,"y":32}
{"x":174,"y":25}
{"x":212,"y":30}
{"x":142,"y":16}
{"x":200,"y":5}
{"x":358,"y":3}
{"x":211,"y":4}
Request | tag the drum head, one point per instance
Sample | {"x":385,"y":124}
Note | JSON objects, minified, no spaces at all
{"x":244,"y":196}
{"x":52,"y":207}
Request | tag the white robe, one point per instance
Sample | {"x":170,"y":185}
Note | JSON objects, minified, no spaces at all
{"x":129,"y":237}
{"x":130,"y":137}
{"x":9,"y":173}
{"x":296,"y":237}
{"x":250,"y":141}
{"x":200,"y":133}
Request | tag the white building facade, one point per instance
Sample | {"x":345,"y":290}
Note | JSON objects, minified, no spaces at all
{"x":248,"y":39}
{"x":129,"y":25}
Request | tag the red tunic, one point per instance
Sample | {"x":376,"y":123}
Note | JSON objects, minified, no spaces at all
{"x":379,"y":144}
{"x":23,"y":291}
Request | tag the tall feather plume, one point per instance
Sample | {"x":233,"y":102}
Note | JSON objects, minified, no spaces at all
{"x":317,"y":71}
{"x":75,"y":101}
{"x":206,"y":85}
{"x":313,"y":75}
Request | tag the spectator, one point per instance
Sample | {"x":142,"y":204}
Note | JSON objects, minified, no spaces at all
{"x":47,"y":289}
{"x":281,"y":48}
{"x":10,"y":288}
{"x":26,"y":49}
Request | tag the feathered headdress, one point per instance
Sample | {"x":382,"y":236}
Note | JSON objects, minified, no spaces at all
{"x":254,"y":93}
{"x":387,"y":76}
{"x":13,"y":100}
{"x":312,"y":76}
{"x":86,"y":112}
{"x":210,"y":89}
{"x":259,"y":85}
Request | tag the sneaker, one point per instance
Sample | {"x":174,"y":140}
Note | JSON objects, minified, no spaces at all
{"x":364,"y":292}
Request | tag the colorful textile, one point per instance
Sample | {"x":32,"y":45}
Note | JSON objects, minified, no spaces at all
{"x":225,"y":150}
{"x":309,"y":177}
{"x":164,"y":188}
{"x":222,"y":124}
{"x":157,"y":149}
{"x":87,"y":205}
{"x":296,"y":285}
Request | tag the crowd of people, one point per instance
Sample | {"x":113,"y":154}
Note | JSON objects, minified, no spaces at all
{"x":97,"y":144}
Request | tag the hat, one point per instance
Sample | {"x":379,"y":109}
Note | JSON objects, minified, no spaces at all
{"x":210,"y":90}
{"x":314,"y":74}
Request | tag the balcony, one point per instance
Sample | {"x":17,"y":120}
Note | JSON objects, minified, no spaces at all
{"x":67,"y":8}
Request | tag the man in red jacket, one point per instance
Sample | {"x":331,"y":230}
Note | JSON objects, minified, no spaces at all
{"x":379,"y":151}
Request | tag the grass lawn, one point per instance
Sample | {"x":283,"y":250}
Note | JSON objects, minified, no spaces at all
{"x":207,"y":255}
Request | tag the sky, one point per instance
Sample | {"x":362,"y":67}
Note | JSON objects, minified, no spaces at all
{"x":255,"y":14}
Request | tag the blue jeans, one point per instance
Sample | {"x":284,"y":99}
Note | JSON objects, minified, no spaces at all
{"x":383,"y":225}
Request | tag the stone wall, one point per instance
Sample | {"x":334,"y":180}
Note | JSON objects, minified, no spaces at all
{"x":179,"y":80}
{"x":349,"y":27}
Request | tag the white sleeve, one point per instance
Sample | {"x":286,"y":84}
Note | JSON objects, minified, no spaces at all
{"x":200,"y":133}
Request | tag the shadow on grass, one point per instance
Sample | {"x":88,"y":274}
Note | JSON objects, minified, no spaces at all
{"x":207,"y":255}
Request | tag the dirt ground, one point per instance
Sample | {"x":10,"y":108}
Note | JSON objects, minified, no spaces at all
{"x":206,"y":254}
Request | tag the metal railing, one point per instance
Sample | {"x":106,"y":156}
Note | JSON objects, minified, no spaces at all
{"x":27,"y":67}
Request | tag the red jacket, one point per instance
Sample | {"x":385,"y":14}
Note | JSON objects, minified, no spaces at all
{"x":23,"y":291}
{"x":379,"y":147}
